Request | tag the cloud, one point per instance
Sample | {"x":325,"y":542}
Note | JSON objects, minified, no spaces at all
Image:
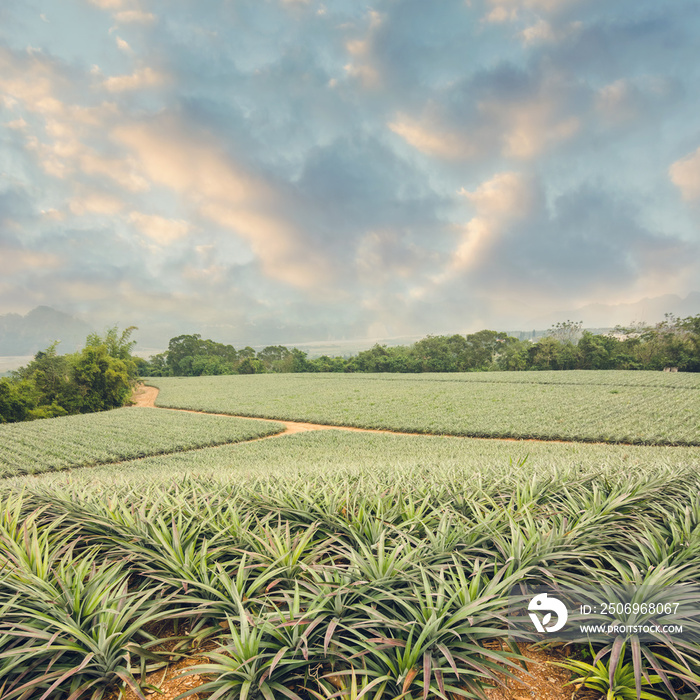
{"x":383,"y":257}
{"x":685,"y":175}
{"x":501,"y":14}
{"x":16,"y":260}
{"x":123,"y":45}
{"x":363,"y":66}
{"x":141,"y":78}
{"x":133,"y":17}
{"x":512,"y":10}
{"x":30,"y":79}
{"x":95,"y":202}
{"x":18,"y":124}
{"x":35,"y":84}
{"x":505,"y":196}
{"x":432,"y":140}
{"x":616,"y":101}
{"x":109,"y":4}
{"x":227,"y":194}
{"x":159,"y":229}
{"x":588,"y":245}
{"x":504,"y":111}
{"x":534,"y":126}
{"x":499,"y":201}
{"x":540,"y":31}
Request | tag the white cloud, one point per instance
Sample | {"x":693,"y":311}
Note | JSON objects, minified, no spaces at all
{"x":539,"y":32}
{"x":685,"y":175}
{"x":433,"y":140}
{"x":544,"y":32}
{"x":511,"y":10}
{"x":227,"y":194}
{"x":530,"y":126}
{"x":95,"y":202}
{"x":34,"y":84}
{"x":159,"y":229}
{"x":139,"y":79}
{"x":134,"y":17}
{"x":363,"y":67}
{"x":501,"y":14}
{"x":17,"y":124}
{"x":109,"y":4}
{"x":504,"y":198}
{"x":505,"y":195}
{"x":13,"y":260}
{"x":123,"y":45}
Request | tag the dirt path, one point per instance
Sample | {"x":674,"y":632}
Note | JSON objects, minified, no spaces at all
{"x":146,"y":396}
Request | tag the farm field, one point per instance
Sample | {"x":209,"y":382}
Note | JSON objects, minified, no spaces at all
{"x":643,"y":407}
{"x":327,"y":563}
{"x":316,"y":558}
{"x":76,"y":441}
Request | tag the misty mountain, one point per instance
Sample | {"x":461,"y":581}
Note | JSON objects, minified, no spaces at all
{"x":26,"y":335}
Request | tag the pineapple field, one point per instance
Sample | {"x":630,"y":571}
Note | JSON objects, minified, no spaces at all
{"x":605,"y":406}
{"x":336,"y":564}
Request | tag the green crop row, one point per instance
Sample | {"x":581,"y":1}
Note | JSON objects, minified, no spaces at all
{"x":393,"y":580}
{"x":125,"y":433}
{"x":581,"y":412}
{"x":341,"y":453}
{"x":672,"y":380}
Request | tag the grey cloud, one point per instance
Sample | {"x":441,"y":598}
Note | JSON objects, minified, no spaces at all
{"x":357,"y":187}
{"x":632,"y":37}
{"x":591,"y":241}
{"x":15,"y":205}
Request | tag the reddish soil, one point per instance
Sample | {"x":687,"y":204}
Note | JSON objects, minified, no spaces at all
{"x":542,"y":680}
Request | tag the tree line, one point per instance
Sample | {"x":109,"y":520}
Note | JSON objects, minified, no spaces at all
{"x":675,"y":342}
{"x":99,"y":377}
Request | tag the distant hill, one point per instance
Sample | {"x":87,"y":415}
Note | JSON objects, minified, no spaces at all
{"x":26,"y":335}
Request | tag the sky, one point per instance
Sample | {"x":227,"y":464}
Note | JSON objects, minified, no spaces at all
{"x":281,"y":171}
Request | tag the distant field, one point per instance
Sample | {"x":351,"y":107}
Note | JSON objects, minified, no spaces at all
{"x":630,"y":407}
{"x":125,"y":433}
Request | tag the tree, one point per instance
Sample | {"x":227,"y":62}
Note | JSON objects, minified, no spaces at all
{"x":441,"y":353}
{"x":102,"y":381}
{"x":691,"y":325}
{"x":598,"y":351}
{"x":543,"y":354}
{"x":513,"y":355}
{"x":250,"y":365}
{"x":48,"y":379}
{"x":118,"y":346}
{"x":329,"y":364}
{"x":158,"y":365}
{"x":180,"y":347}
{"x":299,"y":362}
{"x":15,"y":405}
{"x":483,"y":348}
{"x":566,"y":331}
